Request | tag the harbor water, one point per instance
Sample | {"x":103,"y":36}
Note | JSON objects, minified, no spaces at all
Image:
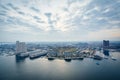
{"x":12,"y":68}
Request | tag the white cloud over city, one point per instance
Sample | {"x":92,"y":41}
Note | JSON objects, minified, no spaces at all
{"x":59,"y":20}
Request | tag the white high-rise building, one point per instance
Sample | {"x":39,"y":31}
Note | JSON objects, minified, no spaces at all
{"x":21,"y":47}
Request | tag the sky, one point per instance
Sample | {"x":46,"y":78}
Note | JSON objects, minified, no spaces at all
{"x":59,"y":20}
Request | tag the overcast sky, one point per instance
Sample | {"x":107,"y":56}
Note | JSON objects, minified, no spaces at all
{"x":59,"y":20}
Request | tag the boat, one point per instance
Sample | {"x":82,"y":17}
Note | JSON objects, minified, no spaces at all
{"x":80,"y":58}
{"x":113,"y":58}
{"x":36,"y":55}
{"x":105,"y":57}
{"x":97,"y":57}
{"x":22,"y":55}
{"x":97,"y":63}
{"x":50,"y":58}
{"x":67,"y":59}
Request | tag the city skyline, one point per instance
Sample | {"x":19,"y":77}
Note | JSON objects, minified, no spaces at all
{"x":59,"y":20}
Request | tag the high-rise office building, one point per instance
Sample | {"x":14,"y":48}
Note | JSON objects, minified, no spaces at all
{"x":20,"y":47}
{"x":105,"y":44}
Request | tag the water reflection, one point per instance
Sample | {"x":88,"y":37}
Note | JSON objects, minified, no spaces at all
{"x":19,"y":59}
{"x":59,"y":69}
{"x":106,"y":52}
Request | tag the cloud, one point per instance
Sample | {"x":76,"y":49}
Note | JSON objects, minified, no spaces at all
{"x":22,"y":13}
{"x":51,"y":23}
{"x":12,"y":6}
{"x":4,"y":7}
{"x":36,"y":17}
{"x":18,"y":28}
{"x":40,"y":21}
{"x":63,"y":17}
{"x":35,"y":9}
{"x":3,"y":13}
{"x":48,"y":14}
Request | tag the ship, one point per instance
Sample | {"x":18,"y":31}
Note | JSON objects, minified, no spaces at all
{"x":97,"y":57}
{"x":22,"y":55}
{"x":50,"y":58}
{"x":36,"y":55}
{"x":67,"y":59}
